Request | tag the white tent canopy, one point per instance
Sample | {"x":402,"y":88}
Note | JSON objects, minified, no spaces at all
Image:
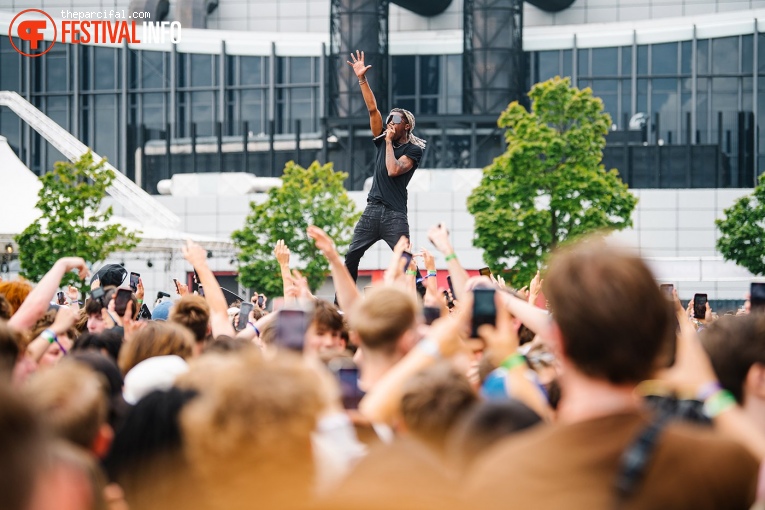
{"x":17,"y":211}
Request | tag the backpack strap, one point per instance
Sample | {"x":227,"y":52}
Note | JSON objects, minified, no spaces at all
{"x":635,"y":459}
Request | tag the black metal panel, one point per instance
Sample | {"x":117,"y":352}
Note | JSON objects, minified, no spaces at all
{"x":424,"y":7}
{"x":357,"y":25}
{"x":551,"y":5}
{"x":494,"y":66}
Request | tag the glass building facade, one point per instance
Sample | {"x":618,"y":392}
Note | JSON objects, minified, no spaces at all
{"x":128,"y":103}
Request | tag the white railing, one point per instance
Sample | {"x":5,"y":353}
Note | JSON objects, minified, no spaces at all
{"x":125,"y":192}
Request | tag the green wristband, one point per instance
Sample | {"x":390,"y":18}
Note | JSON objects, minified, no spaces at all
{"x":513,"y":361}
{"x":451,"y":256}
{"x":718,"y":403}
{"x":412,"y":273}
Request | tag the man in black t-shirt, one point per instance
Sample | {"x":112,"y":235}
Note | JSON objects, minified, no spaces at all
{"x":398,"y":155}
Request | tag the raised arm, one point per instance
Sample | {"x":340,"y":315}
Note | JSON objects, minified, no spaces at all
{"x":282,"y":253}
{"x":197,"y":257}
{"x":38,"y":301}
{"x":347,"y":292}
{"x":375,"y":119}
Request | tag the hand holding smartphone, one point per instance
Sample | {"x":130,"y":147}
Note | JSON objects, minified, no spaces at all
{"x":121,"y":300}
{"x":484,"y":310}
{"x":699,"y":306}
{"x":291,"y":325}
{"x":134,"y":277}
{"x":244,"y":315}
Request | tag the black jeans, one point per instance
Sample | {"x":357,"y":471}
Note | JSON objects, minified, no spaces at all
{"x":377,"y":222}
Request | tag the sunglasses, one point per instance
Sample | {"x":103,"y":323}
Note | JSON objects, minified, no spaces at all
{"x":394,"y":118}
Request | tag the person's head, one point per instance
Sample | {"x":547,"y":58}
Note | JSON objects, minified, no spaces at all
{"x":486,"y":424}
{"x":612,"y":321}
{"x":399,"y":122}
{"x":156,"y":339}
{"x":96,"y":323}
{"x":23,"y":450}
{"x":433,"y":401}
{"x":249,"y":430}
{"x":5,"y":309}
{"x":73,"y":399}
{"x":148,"y":445}
{"x":107,"y":342}
{"x":326,"y":329}
{"x":10,"y":349}
{"x":736,"y":347}
{"x":192,"y":312}
{"x":162,"y":311}
{"x":384,"y":323}
{"x":15,"y":292}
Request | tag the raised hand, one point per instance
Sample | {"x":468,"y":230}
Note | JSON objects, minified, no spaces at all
{"x":77,"y":263}
{"x":357,"y":63}
{"x":194,"y":254}
{"x":439,"y":236}
{"x":323,"y":242}
{"x":535,"y":287}
{"x":140,"y":291}
{"x":282,"y":253}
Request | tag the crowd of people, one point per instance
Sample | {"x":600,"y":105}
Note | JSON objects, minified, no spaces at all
{"x":404,"y":395}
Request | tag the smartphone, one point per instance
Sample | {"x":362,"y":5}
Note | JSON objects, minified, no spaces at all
{"x":347,"y":374}
{"x":408,"y":257}
{"x":484,"y":310}
{"x":177,"y":288}
{"x":757,"y":296}
{"x":667,"y":288}
{"x":431,"y":314}
{"x":121,"y":300}
{"x":201,"y":290}
{"x":244,"y":315}
{"x":134,"y":277}
{"x":485,"y":271}
{"x":97,"y":295}
{"x":451,"y":287}
{"x":291,"y":325}
{"x":699,"y":306}
{"x":61,"y":299}
{"x":260,"y":301}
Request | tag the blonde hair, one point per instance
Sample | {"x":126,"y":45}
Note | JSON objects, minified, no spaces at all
{"x":72,"y":397}
{"x":381,"y":318}
{"x":157,"y":338}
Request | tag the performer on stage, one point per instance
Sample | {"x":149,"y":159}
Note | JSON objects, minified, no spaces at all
{"x":398,"y":154}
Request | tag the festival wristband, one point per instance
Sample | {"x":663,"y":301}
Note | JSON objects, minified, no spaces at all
{"x":254,"y":327}
{"x":514,"y":360}
{"x":413,"y":273}
{"x":708,"y":390}
{"x":432,"y":273}
{"x":718,"y":403}
{"x":49,"y":335}
{"x":451,"y":256}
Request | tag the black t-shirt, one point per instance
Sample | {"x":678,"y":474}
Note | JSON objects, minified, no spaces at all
{"x":391,"y":191}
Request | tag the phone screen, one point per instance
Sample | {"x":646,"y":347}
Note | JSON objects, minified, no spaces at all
{"x":61,"y":298}
{"x":177,"y":287}
{"x":97,"y":294}
{"x":244,"y":315}
{"x":757,"y":296}
{"x":667,"y":288}
{"x":134,"y":281}
{"x":431,"y":314}
{"x":290,"y":329}
{"x":484,"y":310}
{"x":699,"y":306}
{"x":349,"y":386}
{"x":484,"y":271}
{"x":260,"y":301}
{"x":408,"y":257}
{"x":201,"y":291}
{"x":121,"y":301}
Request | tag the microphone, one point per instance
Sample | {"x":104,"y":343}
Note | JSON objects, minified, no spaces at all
{"x":380,"y":136}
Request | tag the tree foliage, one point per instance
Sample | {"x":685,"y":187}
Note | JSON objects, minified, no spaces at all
{"x":308,"y":196}
{"x":742,"y":231}
{"x":549,"y":185}
{"x":71,"y":224}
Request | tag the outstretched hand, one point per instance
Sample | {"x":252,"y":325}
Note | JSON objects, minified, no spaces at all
{"x":282,"y":253}
{"x":194,"y":254}
{"x":323,"y":242}
{"x":439,"y":236}
{"x":357,"y":63}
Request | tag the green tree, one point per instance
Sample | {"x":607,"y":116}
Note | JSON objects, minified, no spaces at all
{"x":71,"y":224}
{"x":307,"y":196}
{"x":742,"y":231}
{"x":549,"y":186}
